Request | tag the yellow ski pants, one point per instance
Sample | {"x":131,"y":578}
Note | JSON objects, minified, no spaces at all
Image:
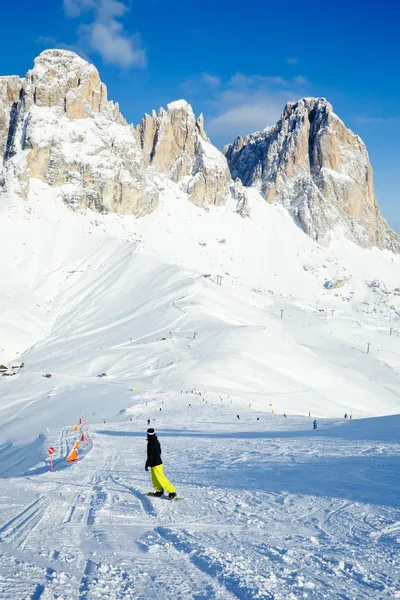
{"x":159,"y":480}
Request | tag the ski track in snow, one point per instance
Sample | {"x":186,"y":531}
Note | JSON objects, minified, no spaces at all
{"x":95,"y":534}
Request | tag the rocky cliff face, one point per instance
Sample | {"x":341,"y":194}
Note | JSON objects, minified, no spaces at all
{"x":57,"y":125}
{"x":174,"y":142}
{"x":10,"y":89}
{"x":318,"y":169}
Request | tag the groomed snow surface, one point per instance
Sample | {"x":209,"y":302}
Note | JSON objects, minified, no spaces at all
{"x":271,"y":509}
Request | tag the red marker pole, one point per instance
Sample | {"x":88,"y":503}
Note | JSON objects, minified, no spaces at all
{"x":51,"y":452}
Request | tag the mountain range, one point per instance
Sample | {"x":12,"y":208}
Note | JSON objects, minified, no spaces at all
{"x":58,"y":126}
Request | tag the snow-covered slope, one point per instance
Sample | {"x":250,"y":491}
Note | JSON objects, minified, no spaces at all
{"x":79,"y":287}
{"x":272,"y":509}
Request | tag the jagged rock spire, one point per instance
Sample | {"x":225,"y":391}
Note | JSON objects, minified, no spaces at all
{"x":318,"y":169}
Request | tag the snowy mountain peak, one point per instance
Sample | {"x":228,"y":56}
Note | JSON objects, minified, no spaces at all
{"x":63,"y":79}
{"x":57,"y":126}
{"x":309,"y":103}
{"x":319,"y":170}
{"x":174,"y":143}
{"x":180,"y":105}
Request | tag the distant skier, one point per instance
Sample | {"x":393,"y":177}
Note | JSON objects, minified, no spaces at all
{"x":238,"y":417}
{"x":345,"y":415}
{"x":284,"y":414}
{"x":154,"y":462}
{"x":258,"y":418}
{"x":315,"y":424}
{"x":148,"y":421}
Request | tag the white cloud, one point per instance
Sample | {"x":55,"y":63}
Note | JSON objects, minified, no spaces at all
{"x":248,"y":103}
{"x":244,"y":118}
{"x":211,"y":80}
{"x":292,"y":60}
{"x":74,"y":8}
{"x":300,"y":80}
{"x":105,"y":34}
{"x":195,"y":84}
{"x":110,"y":42}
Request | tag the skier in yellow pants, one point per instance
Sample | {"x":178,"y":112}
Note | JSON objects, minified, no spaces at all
{"x":154,"y":462}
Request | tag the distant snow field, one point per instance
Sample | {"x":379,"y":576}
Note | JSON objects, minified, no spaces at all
{"x":272,"y":509}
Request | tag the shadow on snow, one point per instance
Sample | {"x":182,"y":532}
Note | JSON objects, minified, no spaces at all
{"x":367,"y":479}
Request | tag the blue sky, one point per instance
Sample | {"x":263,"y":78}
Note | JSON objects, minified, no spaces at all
{"x":237,"y":62}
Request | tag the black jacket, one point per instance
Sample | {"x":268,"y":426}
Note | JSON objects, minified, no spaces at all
{"x":153,"y":452}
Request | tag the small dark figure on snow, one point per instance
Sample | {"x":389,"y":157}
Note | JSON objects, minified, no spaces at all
{"x":154,"y":462}
{"x":315,"y":424}
{"x":258,"y":418}
{"x":345,"y":415}
{"x":284,"y":414}
{"x":148,"y":421}
{"x":238,"y":417}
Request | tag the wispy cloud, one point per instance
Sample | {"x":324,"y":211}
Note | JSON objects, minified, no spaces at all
{"x":292,"y":60}
{"x":376,"y":120}
{"x":243,"y":119}
{"x":105,"y":34}
{"x":245,"y":103}
{"x":197,"y":83}
{"x":46,"y":40}
{"x":300,"y":80}
{"x":74,"y":8}
{"x":211,"y":80}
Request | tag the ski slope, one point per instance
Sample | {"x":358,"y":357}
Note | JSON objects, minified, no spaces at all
{"x":272,"y":509}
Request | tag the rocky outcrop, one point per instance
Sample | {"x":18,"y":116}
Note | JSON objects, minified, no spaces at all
{"x":10,"y":89}
{"x":58,"y":126}
{"x":63,"y":79}
{"x":319,"y":170}
{"x":174,"y":142}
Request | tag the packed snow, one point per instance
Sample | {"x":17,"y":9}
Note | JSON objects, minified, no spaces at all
{"x":128,"y":318}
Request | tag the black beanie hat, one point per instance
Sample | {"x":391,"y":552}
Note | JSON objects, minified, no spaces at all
{"x":151,"y":431}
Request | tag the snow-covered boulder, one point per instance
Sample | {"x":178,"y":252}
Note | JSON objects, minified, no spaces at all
{"x":334,"y":284}
{"x":319,"y":170}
